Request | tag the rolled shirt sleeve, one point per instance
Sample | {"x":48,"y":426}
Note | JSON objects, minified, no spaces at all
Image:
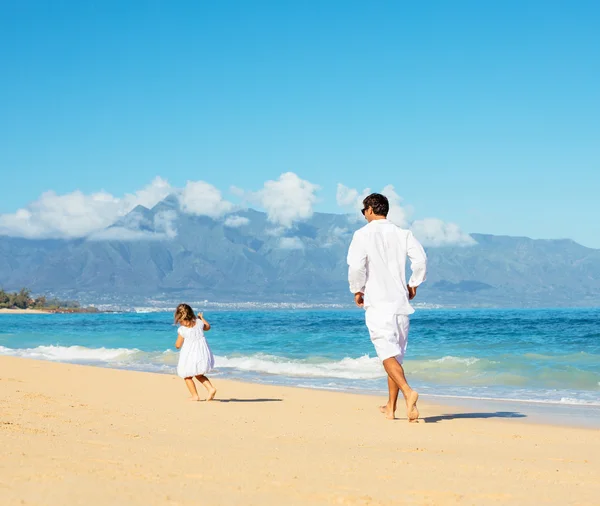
{"x":357,"y":265}
{"x":418,"y":260}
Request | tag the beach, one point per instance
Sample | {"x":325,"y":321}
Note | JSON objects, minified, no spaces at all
{"x":75,"y":434}
{"x":24,"y":311}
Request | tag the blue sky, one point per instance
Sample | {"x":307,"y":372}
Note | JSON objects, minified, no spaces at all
{"x":485,"y":114}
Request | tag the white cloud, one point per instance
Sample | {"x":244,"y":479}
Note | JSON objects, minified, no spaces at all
{"x":164,"y":223}
{"x":236,"y":221}
{"x":52,"y":215}
{"x":150,"y":195}
{"x":434,"y":232}
{"x":339,"y":231}
{"x":275,"y":232}
{"x":203,"y":199}
{"x":136,"y":227}
{"x":336,"y":235}
{"x":287,"y":200}
{"x":77,"y":214}
{"x":348,"y":197}
{"x":352,"y":200}
{"x":398,"y":215}
{"x":430,"y":231}
{"x":291,"y":243}
{"x":125,"y":234}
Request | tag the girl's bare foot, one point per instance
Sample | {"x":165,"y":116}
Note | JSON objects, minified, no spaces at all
{"x":195,"y":398}
{"x":211,"y":394}
{"x":389,"y":413}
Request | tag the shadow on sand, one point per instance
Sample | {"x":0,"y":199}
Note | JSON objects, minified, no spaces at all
{"x":247,"y":400}
{"x":456,"y":416}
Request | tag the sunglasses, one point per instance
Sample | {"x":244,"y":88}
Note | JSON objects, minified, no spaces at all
{"x":363,"y":211}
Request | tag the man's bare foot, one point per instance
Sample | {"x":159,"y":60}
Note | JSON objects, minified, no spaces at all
{"x":415,"y":411}
{"x":411,"y":406}
{"x":389,"y":413}
{"x":211,"y":394}
{"x":414,"y":414}
{"x":194,"y":398}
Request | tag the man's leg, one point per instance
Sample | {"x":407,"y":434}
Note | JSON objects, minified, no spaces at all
{"x":396,"y":372}
{"x":389,"y":334}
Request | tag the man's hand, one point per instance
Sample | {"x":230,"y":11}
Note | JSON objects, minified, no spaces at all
{"x":359,"y":299}
{"x":412,"y":292}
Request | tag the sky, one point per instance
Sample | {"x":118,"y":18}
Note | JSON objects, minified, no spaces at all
{"x":481,"y":115}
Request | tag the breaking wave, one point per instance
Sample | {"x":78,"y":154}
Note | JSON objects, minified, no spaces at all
{"x":464,"y":377}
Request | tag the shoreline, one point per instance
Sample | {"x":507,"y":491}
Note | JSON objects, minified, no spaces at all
{"x":48,"y":311}
{"x":25,"y":311}
{"x":539,"y":412}
{"x":277,"y":307}
{"x":74,"y":434}
{"x":551,"y":414}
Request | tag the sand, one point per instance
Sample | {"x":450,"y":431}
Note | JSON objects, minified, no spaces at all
{"x":83,"y":435}
{"x":24,"y":311}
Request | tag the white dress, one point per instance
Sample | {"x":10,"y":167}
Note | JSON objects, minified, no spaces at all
{"x":195,"y":356}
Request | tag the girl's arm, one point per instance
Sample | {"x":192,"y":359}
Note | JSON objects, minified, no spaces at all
{"x":206,"y":324}
{"x":179,"y":342}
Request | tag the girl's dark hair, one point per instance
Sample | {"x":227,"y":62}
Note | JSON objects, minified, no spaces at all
{"x":184,"y":313}
{"x":379,"y":203}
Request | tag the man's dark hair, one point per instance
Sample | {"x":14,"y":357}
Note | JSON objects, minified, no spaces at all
{"x":379,"y":203}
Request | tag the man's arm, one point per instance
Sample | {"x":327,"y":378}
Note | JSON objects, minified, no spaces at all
{"x":418,"y":264}
{"x":357,"y":268}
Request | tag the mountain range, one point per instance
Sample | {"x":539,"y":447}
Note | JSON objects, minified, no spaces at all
{"x":163,"y":254}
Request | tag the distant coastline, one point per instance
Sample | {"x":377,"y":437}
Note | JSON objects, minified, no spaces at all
{"x":24,"y":311}
{"x":22,"y":302}
{"x":48,"y":311}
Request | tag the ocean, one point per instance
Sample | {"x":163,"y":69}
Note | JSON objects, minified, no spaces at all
{"x":549,"y":356}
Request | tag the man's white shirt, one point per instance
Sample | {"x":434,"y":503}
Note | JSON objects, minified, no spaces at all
{"x":377,"y":265}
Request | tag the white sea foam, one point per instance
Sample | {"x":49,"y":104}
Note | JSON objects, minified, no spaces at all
{"x":582,"y":402}
{"x":317,"y":372}
{"x":533,"y":399}
{"x":364,"y":367}
{"x":457,"y":360}
{"x":71,"y":353}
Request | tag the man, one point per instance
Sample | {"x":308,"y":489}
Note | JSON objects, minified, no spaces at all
{"x":376,"y":273}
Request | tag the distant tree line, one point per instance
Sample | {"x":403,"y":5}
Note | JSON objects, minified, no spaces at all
{"x":23,"y":300}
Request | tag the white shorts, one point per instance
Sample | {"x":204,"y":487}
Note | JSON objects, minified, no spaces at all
{"x":389,"y":333}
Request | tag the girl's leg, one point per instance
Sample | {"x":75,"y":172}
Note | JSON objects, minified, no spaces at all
{"x":192,"y":388}
{"x":212,"y":391}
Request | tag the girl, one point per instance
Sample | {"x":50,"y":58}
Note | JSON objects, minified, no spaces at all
{"x":195,"y":358}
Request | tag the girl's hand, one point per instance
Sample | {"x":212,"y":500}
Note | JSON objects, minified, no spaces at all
{"x":206,"y":324}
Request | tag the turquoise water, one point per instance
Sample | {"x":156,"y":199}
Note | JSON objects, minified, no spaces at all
{"x":549,"y":356}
